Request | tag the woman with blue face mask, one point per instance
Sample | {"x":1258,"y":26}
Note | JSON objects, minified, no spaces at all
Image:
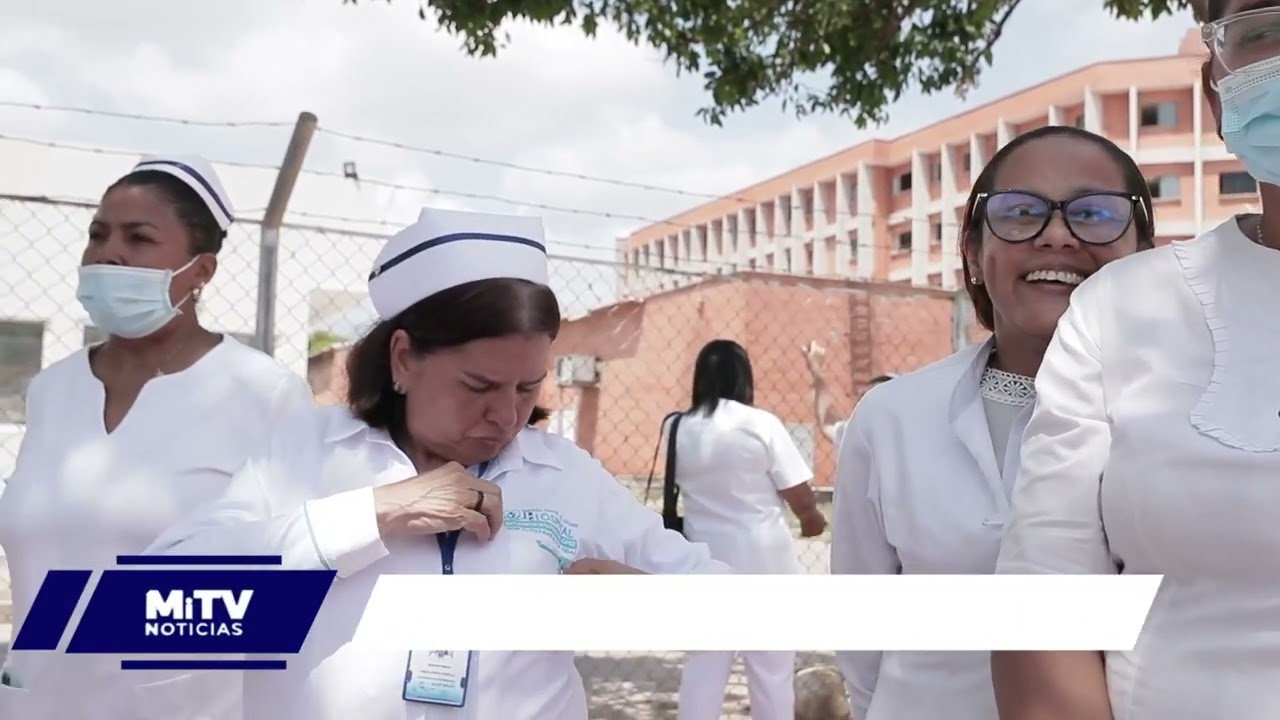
{"x":128,"y":435}
{"x":1154,"y":447}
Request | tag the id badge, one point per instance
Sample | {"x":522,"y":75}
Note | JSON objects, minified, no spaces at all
{"x":437,"y":677}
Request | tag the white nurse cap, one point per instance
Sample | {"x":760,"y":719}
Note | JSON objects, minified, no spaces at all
{"x":447,"y":248}
{"x":198,"y":174}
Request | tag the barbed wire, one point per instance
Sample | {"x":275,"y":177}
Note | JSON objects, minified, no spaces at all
{"x":933,"y":248}
{"x":148,"y":118}
{"x":738,"y":198}
{"x":394,"y":226}
{"x":437,"y":152}
{"x":650,"y":221}
{"x":120,"y":152}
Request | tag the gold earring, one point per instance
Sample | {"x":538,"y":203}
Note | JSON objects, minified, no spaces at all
{"x":395,"y":385}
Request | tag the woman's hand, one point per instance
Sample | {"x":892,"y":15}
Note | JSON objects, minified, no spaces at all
{"x":594,"y":566}
{"x":813,"y":355}
{"x":441,"y":500}
{"x":812,"y":523}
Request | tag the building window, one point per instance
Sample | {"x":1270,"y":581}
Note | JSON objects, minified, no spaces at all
{"x":937,"y":233}
{"x":1236,"y":183}
{"x":1080,"y":121}
{"x":904,"y":240}
{"x":1164,"y":114}
{"x":904,"y":182}
{"x":937,"y":171}
{"x":21,"y":350}
{"x":966,"y":162}
{"x":1165,"y":187}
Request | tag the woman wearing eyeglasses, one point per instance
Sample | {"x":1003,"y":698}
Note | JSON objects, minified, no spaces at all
{"x":1155,"y":444}
{"x":927,"y":461}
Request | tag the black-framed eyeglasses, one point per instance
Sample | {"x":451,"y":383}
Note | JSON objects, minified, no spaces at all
{"x":1094,"y":218}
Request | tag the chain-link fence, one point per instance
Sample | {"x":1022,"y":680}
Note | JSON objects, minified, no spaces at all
{"x":624,"y":359}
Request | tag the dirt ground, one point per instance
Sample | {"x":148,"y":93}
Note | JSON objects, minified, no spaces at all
{"x":633,"y":686}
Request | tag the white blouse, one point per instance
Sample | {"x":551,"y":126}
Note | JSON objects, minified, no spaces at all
{"x":308,"y":496}
{"x":920,"y":488}
{"x":1155,"y":448}
{"x":80,"y":496}
{"x":1005,"y":398}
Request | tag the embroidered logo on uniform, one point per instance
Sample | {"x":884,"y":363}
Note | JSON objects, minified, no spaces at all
{"x":557,"y":539}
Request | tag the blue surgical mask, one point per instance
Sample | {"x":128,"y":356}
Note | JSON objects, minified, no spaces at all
{"x":128,"y":302}
{"x":1250,"y":100}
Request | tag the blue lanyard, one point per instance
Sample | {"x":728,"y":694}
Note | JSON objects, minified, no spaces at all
{"x":449,"y":541}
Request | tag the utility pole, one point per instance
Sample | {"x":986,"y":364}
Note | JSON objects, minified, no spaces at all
{"x":269,"y":246}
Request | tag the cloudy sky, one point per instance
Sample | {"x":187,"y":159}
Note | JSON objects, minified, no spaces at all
{"x":553,"y":99}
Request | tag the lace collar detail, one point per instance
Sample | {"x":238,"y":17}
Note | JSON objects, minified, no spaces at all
{"x":1007,"y":388}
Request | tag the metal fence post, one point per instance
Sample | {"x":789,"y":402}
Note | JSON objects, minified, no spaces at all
{"x":272,"y":219}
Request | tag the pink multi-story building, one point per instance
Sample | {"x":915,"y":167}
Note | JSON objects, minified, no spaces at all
{"x":889,"y":210}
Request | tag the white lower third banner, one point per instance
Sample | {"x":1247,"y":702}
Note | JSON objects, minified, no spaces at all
{"x":758,"y":612}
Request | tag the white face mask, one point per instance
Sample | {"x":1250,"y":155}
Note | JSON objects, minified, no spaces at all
{"x":1250,"y":100}
{"x":128,"y":302}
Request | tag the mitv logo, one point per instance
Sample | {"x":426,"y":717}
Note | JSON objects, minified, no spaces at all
{"x":204,"y":613}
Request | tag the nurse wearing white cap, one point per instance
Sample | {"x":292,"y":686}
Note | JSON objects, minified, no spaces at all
{"x":128,"y":435}
{"x":431,"y":455}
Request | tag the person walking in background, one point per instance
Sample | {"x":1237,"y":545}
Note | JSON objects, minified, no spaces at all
{"x":125,"y":437}
{"x":738,"y":470}
{"x":927,"y":461}
{"x":830,"y":422}
{"x":1155,"y":447}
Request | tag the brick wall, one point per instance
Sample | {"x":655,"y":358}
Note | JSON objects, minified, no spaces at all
{"x":647,"y":349}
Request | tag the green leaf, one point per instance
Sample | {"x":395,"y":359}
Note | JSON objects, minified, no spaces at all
{"x":850,"y":57}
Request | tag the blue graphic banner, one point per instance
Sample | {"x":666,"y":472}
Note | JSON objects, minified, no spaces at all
{"x":154,"y":610}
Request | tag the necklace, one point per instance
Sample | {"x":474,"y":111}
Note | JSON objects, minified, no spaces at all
{"x":1007,"y":388}
{"x":1258,"y":238}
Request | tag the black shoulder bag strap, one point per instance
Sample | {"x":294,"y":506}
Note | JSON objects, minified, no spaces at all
{"x":670,"y":491}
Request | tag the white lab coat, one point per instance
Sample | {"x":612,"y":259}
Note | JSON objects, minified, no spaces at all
{"x":1155,"y":448}
{"x":731,"y":466}
{"x":79,"y":497}
{"x":309,"y":497}
{"x":919,"y":490}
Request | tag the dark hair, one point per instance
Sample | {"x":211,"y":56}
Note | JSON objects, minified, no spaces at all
{"x":721,"y":372}
{"x":206,"y":234}
{"x":1135,"y":183}
{"x":455,"y":316}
